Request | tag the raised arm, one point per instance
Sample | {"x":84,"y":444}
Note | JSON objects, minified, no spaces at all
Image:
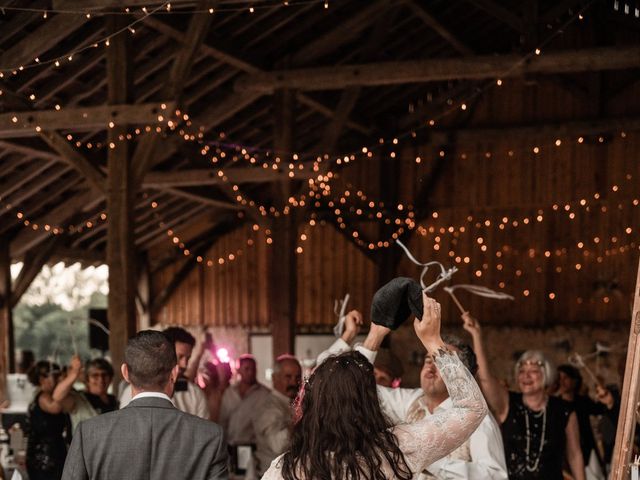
{"x":352,"y":324}
{"x":432,"y":438}
{"x":61,"y":399}
{"x":496,"y":394}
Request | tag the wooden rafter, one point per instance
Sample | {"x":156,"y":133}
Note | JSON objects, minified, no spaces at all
{"x":28,"y":239}
{"x":216,"y":116}
{"x":29,"y":123}
{"x":432,"y":22}
{"x":211,"y":202}
{"x":499,"y":12}
{"x":50,"y":33}
{"x":199,"y":177}
{"x":91,"y":172}
{"x":431,"y":70}
{"x":144,"y":157}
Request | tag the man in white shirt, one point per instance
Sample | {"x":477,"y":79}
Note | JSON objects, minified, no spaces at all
{"x":240,"y":402}
{"x":273,"y":422}
{"x":187,"y":396}
{"x":481,"y":456}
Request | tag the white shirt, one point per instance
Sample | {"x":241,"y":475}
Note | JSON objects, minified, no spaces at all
{"x":192,"y":400}
{"x":236,"y":413}
{"x":485,"y":444}
{"x":150,"y":395}
{"x":272,"y":425}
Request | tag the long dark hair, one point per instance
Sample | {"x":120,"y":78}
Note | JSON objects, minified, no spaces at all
{"x":340,"y":431}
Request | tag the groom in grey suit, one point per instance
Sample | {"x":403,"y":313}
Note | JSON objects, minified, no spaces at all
{"x":150,"y":438}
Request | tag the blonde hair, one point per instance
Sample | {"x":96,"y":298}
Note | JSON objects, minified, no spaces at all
{"x":539,"y":358}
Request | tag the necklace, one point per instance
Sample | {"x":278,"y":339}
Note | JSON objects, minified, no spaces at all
{"x":533,"y":467}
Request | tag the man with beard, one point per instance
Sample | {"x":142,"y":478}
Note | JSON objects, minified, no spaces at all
{"x":272,"y":424}
{"x":479,"y":457}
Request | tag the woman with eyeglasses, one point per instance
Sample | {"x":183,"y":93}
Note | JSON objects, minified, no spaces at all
{"x":95,"y":399}
{"x":49,"y":425}
{"x":540,"y":432}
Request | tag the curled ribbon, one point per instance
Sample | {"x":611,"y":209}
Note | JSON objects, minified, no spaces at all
{"x":443,"y":276}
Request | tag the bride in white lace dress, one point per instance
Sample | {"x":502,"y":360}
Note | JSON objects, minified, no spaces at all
{"x":341,"y":432}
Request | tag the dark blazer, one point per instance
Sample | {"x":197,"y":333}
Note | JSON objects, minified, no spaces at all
{"x":148,"y":439}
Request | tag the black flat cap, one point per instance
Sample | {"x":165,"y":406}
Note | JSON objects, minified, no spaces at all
{"x":394,"y":302}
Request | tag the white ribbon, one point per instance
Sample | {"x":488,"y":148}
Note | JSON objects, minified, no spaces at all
{"x":443,"y":276}
{"x":577,"y":361}
{"x":340,"y":309}
{"x":479,"y":290}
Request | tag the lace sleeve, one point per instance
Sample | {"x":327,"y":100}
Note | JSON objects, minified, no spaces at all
{"x":428,"y":440}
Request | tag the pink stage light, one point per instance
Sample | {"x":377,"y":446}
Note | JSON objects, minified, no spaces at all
{"x":223,"y":355}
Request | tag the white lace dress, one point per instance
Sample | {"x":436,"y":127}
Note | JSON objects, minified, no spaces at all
{"x":432,"y":438}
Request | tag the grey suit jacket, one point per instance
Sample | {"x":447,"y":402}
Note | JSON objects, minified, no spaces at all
{"x":147,"y":440}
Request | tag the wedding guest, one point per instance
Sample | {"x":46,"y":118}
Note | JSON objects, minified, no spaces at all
{"x":539,"y":432}
{"x":274,"y":420}
{"x":95,"y":400}
{"x":49,"y":426}
{"x":187,"y":396}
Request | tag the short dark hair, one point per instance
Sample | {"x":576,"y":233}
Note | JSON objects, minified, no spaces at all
{"x":246,"y":357}
{"x":179,"y":334}
{"x":466,"y":354}
{"x":574,"y":374}
{"x":100,"y":364}
{"x":150,"y":356}
{"x":42,"y":369}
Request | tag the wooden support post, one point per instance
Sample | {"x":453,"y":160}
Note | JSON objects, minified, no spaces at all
{"x":630,"y":389}
{"x":283,"y":288}
{"x":120,"y":196}
{"x":143,"y":299}
{"x":6,"y":320}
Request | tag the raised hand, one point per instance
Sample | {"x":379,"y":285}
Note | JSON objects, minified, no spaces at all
{"x":353,"y":322}
{"x":428,"y":328}
{"x":471,"y":324}
{"x":75,"y":366}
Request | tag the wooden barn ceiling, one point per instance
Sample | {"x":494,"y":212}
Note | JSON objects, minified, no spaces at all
{"x":355,"y":70}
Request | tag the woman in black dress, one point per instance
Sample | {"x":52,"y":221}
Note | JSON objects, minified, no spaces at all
{"x":539,"y":432}
{"x":49,"y":426}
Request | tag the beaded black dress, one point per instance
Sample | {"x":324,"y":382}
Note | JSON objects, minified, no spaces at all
{"x":49,"y":435}
{"x":534,"y":442}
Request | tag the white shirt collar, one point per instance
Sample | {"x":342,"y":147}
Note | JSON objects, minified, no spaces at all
{"x":151,"y":395}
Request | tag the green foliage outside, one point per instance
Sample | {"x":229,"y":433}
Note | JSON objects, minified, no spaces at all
{"x":51,"y":318}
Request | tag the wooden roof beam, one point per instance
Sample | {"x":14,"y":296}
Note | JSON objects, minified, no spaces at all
{"x":498,"y":11}
{"x":207,"y":176}
{"x":42,"y":39}
{"x":433,"y":23}
{"x":70,"y":155}
{"x":27,"y":123}
{"x":28,"y":239}
{"x":194,"y":197}
{"x":432,"y":70}
{"x":104,"y":4}
{"x":244,"y":66}
{"x":145,"y":155}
